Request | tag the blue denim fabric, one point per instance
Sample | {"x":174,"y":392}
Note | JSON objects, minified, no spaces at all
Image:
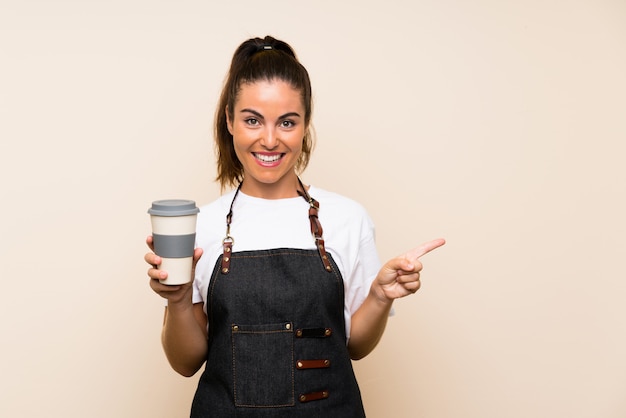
{"x":254,"y":312}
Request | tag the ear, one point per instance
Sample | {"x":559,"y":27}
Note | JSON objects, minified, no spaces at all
{"x":229,"y":123}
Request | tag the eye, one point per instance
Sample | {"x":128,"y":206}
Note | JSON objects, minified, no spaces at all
{"x":251,"y":121}
{"x":287,"y":124}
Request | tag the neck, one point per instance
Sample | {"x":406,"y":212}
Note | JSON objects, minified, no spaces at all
{"x":282,"y":190}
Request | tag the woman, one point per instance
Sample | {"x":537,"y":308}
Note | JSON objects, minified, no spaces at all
{"x":287,"y":285}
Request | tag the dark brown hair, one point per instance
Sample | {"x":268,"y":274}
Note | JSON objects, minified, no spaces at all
{"x":259,"y":59}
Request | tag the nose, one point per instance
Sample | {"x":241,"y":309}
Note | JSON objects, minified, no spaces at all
{"x":269,"y":139}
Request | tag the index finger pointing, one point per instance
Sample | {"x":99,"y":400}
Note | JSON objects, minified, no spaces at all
{"x":424,"y":248}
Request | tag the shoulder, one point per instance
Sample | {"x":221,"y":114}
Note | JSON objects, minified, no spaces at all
{"x":339,"y":207}
{"x":211,"y":224}
{"x":347,"y":225}
{"x":217,"y":206}
{"x":334,"y":200}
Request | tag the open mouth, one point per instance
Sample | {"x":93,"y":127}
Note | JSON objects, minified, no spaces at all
{"x":268,"y":158}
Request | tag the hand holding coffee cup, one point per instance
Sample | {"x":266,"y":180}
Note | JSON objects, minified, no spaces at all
{"x":174,"y":236}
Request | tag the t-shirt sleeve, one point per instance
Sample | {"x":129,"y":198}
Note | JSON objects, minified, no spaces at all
{"x":196,"y":296}
{"x":365,"y":268}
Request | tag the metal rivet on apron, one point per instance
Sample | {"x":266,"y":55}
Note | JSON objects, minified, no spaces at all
{"x":302,"y":398}
{"x":329,"y":268}
{"x":287,"y":326}
{"x":235,"y":328}
{"x":224,"y":270}
{"x":327,"y":332}
{"x":227,"y":259}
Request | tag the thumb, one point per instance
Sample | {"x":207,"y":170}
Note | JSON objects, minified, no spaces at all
{"x":197,"y":253}
{"x":400,"y":263}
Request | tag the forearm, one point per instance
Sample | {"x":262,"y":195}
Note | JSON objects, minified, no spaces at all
{"x":184,"y":338}
{"x":368,"y":324}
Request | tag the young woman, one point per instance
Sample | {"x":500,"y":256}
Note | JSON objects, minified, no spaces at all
{"x":288,"y":287}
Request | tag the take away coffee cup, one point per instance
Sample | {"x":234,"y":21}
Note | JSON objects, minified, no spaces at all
{"x":174,"y":236}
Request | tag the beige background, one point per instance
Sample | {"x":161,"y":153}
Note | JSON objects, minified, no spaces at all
{"x":499,"y":125}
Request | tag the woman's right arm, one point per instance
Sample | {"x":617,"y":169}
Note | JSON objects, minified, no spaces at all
{"x":184,"y":335}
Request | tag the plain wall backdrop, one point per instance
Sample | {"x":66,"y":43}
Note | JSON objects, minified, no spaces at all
{"x":499,"y":125}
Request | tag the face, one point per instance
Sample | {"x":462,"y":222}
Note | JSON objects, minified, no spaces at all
{"x":268,"y":129}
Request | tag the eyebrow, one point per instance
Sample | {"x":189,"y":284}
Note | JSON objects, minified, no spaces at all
{"x":260,"y":116}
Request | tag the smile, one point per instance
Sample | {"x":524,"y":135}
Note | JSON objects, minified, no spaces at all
{"x":267,"y":158}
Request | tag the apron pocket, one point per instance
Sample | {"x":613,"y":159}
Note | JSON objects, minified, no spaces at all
{"x":263,"y":365}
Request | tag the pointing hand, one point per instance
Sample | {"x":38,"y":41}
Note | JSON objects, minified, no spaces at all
{"x":400,"y":276}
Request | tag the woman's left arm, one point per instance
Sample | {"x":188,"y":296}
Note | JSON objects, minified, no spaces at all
{"x":399,"y":277}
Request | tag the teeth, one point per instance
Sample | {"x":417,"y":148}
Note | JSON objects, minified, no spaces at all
{"x":268,"y":158}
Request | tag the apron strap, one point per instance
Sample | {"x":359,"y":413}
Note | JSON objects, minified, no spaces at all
{"x":228,"y":241}
{"x":316,"y":226}
{"x":316,"y":230}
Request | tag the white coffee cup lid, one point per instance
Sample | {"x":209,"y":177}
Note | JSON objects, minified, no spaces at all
{"x":173,"y":207}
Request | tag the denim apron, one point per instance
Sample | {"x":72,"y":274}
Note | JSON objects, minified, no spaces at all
{"x":277,"y":340}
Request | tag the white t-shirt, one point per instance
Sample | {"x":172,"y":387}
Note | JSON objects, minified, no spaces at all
{"x":260,"y":224}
